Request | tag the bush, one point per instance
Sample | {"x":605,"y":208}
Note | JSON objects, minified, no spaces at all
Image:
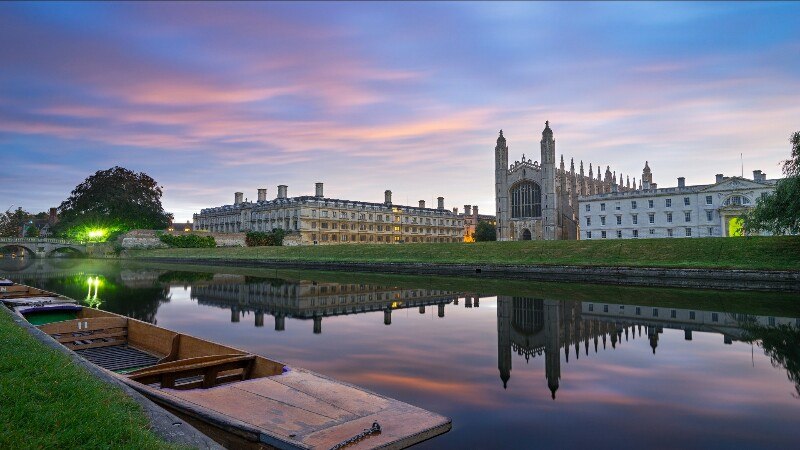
{"x":264,"y":239}
{"x":485,"y":231}
{"x":188,"y":241}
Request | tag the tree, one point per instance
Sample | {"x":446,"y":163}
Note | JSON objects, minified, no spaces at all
{"x":11,"y":222}
{"x":111,"y":201}
{"x":779,"y":212}
{"x":485,"y":231}
{"x":31,"y":231}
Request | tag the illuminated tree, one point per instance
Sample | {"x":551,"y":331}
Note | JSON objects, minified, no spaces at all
{"x":779,"y":212}
{"x":112,"y":201}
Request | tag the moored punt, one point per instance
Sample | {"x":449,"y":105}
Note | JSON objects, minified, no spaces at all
{"x":240,"y":399}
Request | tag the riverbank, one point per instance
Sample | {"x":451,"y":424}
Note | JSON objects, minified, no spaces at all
{"x":757,"y":263}
{"x":50,"y":401}
{"x":751,"y":253}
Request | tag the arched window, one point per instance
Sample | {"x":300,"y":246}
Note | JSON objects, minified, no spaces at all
{"x":526,"y":200}
{"x":736,"y":200}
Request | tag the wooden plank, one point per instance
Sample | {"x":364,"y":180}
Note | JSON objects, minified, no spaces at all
{"x":106,"y":334}
{"x":349,"y":398}
{"x":83,"y":325}
{"x":277,"y":417}
{"x":76,"y":346}
{"x":269,"y":388}
{"x":183,"y":363}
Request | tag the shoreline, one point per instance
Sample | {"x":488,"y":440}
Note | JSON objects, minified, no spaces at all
{"x":725,"y":279}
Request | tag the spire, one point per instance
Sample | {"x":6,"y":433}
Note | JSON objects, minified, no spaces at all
{"x":572,"y":165}
{"x":634,"y":183}
{"x":562,"y":163}
{"x":547,"y":133}
{"x":628,"y":179}
{"x":500,"y":139}
{"x":581,"y":167}
{"x":591,"y":175}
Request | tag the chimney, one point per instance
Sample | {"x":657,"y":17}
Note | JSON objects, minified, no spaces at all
{"x":441,"y":202}
{"x":422,"y":203}
{"x":387,"y":197}
{"x":53,"y":216}
{"x":237,"y":198}
{"x":719,"y":178}
{"x":681,"y":182}
{"x":475,"y":210}
{"x":455,"y":211}
{"x":282,"y":190}
{"x":318,"y":190}
{"x":467,"y":210}
{"x":262,"y":195}
{"x":653,"y":186}
{"x":758,"y":176}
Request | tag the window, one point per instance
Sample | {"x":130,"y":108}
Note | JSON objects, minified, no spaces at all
{"x":764,"y":195}
{"x":602,"y":206}
{"x":588,"y":207}
{"x":635,"y":219}
{"x":651,"y":217}
{"x":709,"y":200}
{"x":691,"y":315}
{"x":652,"y":231}
{"x":633,"y":204}
{"x":588,"y":235}
{"x":686,"y":201}
{"x":638,"y":311}
{"x":588,"y":221}
{"x":709,"y":215}
{"x":669,"y":217}
{"x":687,"y":216}
{"x":688,"y":232}
{"x":650,"y":204}
{"x":673,"y":314}
{"x":526,"y":200}
{"x":323,"y":225}
{"x":668,"y":203}
{"x":591,"y":307}
{"x":602,"y":220}
{"x":313,"y":224}
{"x":655,"y":312}
{"x":619,"y":234}
{"x":636,"y":233}
{"x":736,"y":200}
{"x":603,"y":234}
{"x":710,"y":231}
{"x":605,"y":308}
{"x":714,"y":317}
{"x":669,"y":232}
{"x":619,"y":220}
{"x":616,"y":206}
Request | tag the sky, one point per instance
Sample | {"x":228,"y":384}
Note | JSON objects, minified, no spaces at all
{"x":214,"y":98}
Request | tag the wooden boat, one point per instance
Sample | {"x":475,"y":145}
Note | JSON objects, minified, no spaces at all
{"x":239,"y":399}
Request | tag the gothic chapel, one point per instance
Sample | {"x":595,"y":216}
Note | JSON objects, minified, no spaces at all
{"x":539,"y":200}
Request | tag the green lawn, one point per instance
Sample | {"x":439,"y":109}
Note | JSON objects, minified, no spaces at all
{"x":46,"y":401}
{"x":770,"y":253}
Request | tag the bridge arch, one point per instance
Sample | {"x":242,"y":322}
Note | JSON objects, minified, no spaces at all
{"x":11,"y":245}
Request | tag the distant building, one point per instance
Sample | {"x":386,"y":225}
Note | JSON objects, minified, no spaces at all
{"x":537,"y":200}
{"x":684,"y":211}
{"x":323,"y":220}
{"x":471,"y":218}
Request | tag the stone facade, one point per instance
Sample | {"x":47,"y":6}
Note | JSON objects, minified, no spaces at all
{"x":322,"y":220}
{"x":539,"y":200}
{"x":707,"y":210}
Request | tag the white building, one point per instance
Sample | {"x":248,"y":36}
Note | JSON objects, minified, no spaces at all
{"x":683,"y":211}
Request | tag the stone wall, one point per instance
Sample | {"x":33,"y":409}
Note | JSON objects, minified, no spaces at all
{"x":147,"y":239}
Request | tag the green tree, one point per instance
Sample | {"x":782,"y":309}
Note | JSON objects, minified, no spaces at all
{"x":31,"y":231}
{"x":485,"y":231}
{"x":11,"y":222}
{"x":779,"y":212}
{"x":112,"y":201}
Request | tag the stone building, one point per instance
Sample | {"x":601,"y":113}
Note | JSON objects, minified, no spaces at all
{"x":539,"y":200}
{"x":322,"y":220}
{"x":704,"y":210}
{"x":471,"y":219}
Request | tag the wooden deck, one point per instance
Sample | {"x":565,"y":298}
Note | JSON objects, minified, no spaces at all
{"x":306,"y":410}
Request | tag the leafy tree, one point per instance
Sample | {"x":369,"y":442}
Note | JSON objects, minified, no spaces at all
{"x":781,"y":344}
{"x":113,"y":200}
{"x":779,"y":212}
{"x":11,"y":223}
{"x":485,"y":231}
{"x":32,"y":231}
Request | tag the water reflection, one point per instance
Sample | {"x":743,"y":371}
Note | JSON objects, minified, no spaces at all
{"x":680,"y":357}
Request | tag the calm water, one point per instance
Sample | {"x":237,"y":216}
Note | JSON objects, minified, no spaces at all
{"x":516,"y":365}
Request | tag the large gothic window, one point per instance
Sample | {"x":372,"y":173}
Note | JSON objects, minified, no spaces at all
{"x":526,"y":200}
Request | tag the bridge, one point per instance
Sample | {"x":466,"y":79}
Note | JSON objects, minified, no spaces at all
{"x":40,"y":247}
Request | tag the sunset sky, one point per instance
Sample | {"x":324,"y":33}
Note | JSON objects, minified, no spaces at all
{"x":212,"y":98}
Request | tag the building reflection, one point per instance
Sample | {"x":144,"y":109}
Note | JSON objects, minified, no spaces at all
{"x":310,"y":300}
{"x":533,"y":327}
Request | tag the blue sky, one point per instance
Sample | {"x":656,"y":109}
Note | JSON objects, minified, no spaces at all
{"x":212,"y":98}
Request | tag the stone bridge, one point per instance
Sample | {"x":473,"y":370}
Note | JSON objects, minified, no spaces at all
{"x":40,"y":247}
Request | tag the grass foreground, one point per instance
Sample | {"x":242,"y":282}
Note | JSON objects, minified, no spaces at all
{"x":47,"y":401}
{"x":757,"y":252}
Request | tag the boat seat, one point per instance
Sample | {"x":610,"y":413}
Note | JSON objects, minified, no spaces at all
{"x":82,"y":334}
{"x":186,"y":373}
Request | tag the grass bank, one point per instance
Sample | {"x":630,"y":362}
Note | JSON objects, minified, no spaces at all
{"x":46,"y":401}
{"x":760,"y":253}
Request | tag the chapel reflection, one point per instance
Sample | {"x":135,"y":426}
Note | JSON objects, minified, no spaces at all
{"x":311,"y":300}
{"x":533,"y":328}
